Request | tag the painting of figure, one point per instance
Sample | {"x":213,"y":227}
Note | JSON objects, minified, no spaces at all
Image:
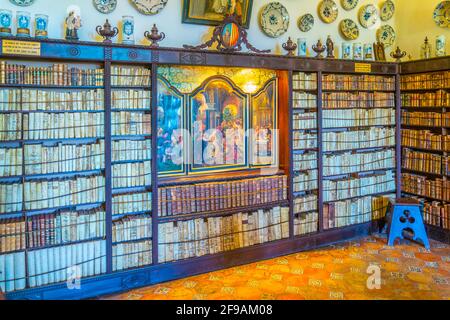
{"x":212,"y":12}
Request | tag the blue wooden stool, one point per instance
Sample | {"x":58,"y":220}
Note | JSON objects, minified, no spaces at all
{"x":407,"y":215}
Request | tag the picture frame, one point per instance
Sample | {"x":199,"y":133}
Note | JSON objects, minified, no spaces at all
{"x":212,"y":12}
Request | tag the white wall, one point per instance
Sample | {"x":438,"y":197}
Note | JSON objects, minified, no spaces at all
{"x":169,"y":21}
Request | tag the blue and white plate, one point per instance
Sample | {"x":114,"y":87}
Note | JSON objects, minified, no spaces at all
{"x":274,"y":19}
{"x":441,"y":14}
{"x":387,"y":10}
{"x":386,"y":35}
{"x":105,"y":6}
{"x":23,"y":3}
{"x":328,"y":11}
{"x":306,"y":22}
{"x":368,"y":16}
{"x":149,"y":7}
{"x":349,"y":4}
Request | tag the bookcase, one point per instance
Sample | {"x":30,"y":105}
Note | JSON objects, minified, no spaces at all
{"x":92,"y":192}
{"x":425,"y":99}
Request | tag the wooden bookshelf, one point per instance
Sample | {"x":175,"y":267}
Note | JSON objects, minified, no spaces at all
{"x":305,"y":227}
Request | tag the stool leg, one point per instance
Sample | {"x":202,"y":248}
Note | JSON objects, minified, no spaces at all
{"x":395,"y":229}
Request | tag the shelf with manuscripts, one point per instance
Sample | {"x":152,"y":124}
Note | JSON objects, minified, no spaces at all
{"x":359,"y":155}
{"x":425,"y":142}
{"x":140,"y":247}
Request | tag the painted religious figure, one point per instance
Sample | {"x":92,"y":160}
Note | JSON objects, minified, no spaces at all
{"x":73,"y":24}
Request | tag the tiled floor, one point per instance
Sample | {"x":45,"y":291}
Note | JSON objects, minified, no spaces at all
{"x":408,"y":271}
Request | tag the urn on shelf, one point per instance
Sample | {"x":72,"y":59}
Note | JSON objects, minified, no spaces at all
{"x":330,"y":48}
{"x":319,"y":48}
{"x":290,"y":47}
{"x":398,"y":54}
{"x":154,"y":36}
{"x":107,"y":32}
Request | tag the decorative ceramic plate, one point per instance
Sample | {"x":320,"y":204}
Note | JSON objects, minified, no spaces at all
{"x":349,"y":29}
{"x":349,"y":4}
{"x":306,"y":22}
{"x":368,"y":16}
{"x":328,"y":11}
{"x":149,"y":7}
{"x":441,"y":14}
{"x":105,"y":6}
{"x":386,"y":35}
{"x":274,"y":19}
{"x":23,"y":3}
{"x":387,"y":10}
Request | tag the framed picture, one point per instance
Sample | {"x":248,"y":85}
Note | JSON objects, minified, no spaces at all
{"x":212,"y":12}
{"x":380,"y":54}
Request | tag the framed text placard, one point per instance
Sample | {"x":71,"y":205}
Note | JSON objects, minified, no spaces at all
{"x":21,"y":48}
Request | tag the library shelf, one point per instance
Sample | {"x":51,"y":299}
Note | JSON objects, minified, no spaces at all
{"x":111,"y":56}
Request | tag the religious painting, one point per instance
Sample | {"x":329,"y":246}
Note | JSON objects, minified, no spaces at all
{"x":218,"y":120}
{"x":170,"y":152}
{"x":230,"y":35}
{"x":264,"y":134}
{"x":212,"y":12}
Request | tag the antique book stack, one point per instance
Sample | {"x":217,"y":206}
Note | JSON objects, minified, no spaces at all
{"x":359,"y":147}
{"x":305,"y":153}
{"x":426,"y":143}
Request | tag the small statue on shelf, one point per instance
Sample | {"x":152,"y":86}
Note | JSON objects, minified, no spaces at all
{"x":319,"y":48}
{"x":330,"y":48}
{"x":73,"y":24}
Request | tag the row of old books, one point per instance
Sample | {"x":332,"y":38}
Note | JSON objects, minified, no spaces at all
{"x":358,"y":118}
{"x":194,"y":238}
{"x":358,"y":82}
{"x":424,"y":162}
{"x":426,"y":119}
{"x":358,"y":100}
{"x":304,"y":140}
{"x":433,"y":80}
{"x":12,"y":235}
{"x":69,"y":262}
{"x":306,"y":161}
{"x":84,"y":100}
{"x":130,"y":76}
{"x":132,"y":174}
{"x":41,"y":159}
{"x":437,"y":99}
{"x":131,"y":99}
{"x":425,"y":139}
{"x":348,"y":162}
{"x":341,"y":189}
{"x":10,"y":162}
{"x":131,"y":150}
{"x":307,"y":120}
{"x":306,"y":181}
{"x":132,"y":203}
{"x":305,"y":203}
{"x":382,"y":205}
{"x":52,"y":265}
{"x":65,"y":226}
{"x":345,"y":213}
{"x":51,"y":193}
{"x":131,"y":123}
{"x":436,"y":213}
{"x":10,"y":126}
{"x":132,"y":228}
{"x":304,"y":81}
{"x":68,"y":125}
{"x":221,"y":195}
{"x":438,"y":189}
{"x":57,"y":74}
{"x":303,"y":100}
{"x":12,"y":271}
{"x":131,"y":255}
{"x":306,"y":223}
{"x":361,"y":139}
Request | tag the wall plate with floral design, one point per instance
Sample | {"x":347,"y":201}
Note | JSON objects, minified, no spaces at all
{"x":149,"y":7}
{"x":368,"y":16}
{"x":328,"y":11}
{"x":274,"y":19}
{"x":387,"y":10}
{"x":349,"y":4}
{"x":105,"y":6}
{"x":23,"y":3}
{"x":349,"y":29}
{"x":306,"y":22}
{"x":441,"y":14}
{"x":386,"y":35}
